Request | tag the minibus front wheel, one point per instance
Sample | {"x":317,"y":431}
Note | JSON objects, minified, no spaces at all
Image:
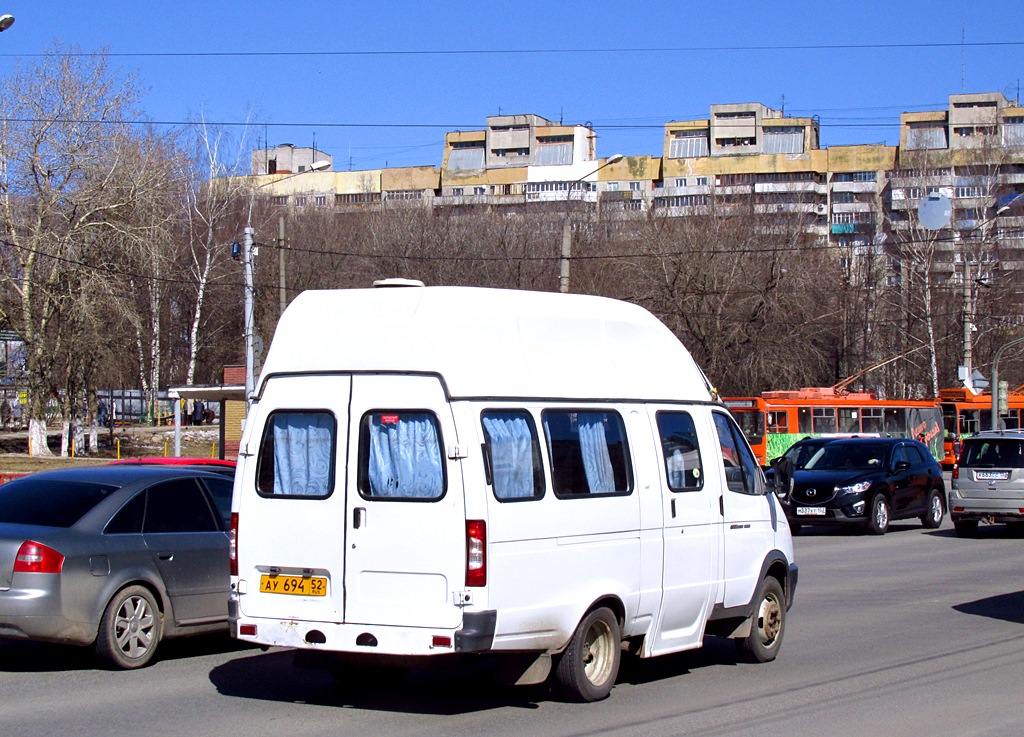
{"x":590,"y":664}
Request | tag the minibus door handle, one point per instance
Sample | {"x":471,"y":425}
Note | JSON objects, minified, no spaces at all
{"x":358,"y":517}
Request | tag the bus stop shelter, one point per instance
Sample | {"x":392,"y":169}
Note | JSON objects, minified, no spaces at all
{"x":231,"y":398}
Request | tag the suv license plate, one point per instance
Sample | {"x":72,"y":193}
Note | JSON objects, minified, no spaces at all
{"x":295,"y":585}
{"x":810,"y":511}
{"x":992,"y":475}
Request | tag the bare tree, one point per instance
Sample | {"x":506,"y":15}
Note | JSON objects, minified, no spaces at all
{"x":68,"y":178}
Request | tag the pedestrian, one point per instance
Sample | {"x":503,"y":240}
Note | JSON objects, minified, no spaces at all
{"x":101,"y":413}
{"x":958,"y":443}
{"x":197,"y":412}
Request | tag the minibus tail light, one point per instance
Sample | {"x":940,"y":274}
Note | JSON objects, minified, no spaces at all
{"x":233,"y":545}
{"x":476,"y":552}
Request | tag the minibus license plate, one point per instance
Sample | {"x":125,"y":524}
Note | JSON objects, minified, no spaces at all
{"x":296,"y":585}
{"x":810,"y":511}
{"x":992,"y":475}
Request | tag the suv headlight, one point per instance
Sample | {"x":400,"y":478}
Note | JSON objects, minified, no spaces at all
{"x":859,"y":488}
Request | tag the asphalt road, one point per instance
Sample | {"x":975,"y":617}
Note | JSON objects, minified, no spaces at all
{"x":914,"y":633}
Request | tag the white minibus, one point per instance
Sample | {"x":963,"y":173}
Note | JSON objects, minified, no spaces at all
{"x":428,"y":473}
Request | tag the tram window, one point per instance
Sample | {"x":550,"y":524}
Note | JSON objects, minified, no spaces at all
{"x":823,"y":419}
{"x":778,"y":421}
{"x":804,"y":420}
{"x":872,"y":420}
{"x":970,"y":421}
{"x":849,"y":420}
{"x":895,"y":421}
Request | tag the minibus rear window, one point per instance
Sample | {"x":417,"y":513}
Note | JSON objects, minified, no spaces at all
{"x":588,"y":452}
{"x":400,"y":456}
{"x":513,"y":455}
{"x":297,"y":455}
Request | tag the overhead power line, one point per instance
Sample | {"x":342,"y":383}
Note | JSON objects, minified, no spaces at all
{"x":522,"y":52}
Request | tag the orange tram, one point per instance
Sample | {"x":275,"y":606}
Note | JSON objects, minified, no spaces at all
{"x":775,"y":420}
{"x":965,"y":413}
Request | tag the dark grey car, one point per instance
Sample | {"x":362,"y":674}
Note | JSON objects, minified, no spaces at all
{"x":115,"y":556}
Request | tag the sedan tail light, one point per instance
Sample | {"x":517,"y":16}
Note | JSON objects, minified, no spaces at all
{"x":35,"y":557}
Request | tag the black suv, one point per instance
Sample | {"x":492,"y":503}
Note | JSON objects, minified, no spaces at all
{"x":866,"y":482}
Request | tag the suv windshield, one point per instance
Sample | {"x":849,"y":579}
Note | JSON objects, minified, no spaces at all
{"x":801,"y":453}
{"x":993,"y":453}
{"x":838,"y":456}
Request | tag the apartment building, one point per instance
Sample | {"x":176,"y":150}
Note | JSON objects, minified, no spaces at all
{"x":973,"y":154}
{"x":862,"y":198}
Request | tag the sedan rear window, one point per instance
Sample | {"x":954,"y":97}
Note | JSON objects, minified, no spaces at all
{"x":32,"y":501}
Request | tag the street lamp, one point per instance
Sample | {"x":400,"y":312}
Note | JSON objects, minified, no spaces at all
{"x":563,"y":276}
{"x":995,"y":381}
{"x":6,"y":21}
{"x":250,"y":307}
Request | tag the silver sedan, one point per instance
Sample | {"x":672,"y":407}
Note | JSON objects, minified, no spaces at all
{"x":118,"y":557}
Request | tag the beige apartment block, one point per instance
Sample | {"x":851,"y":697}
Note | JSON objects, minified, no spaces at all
{"x":861,"y":199}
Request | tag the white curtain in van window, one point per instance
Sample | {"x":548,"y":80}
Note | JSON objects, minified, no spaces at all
{"x":511,"y":445}
{"x":405,"y":458}
{"x":302,"y":453}
{"x":597,"y":463}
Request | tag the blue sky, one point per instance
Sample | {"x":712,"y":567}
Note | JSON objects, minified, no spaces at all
{"x":627,"y":69}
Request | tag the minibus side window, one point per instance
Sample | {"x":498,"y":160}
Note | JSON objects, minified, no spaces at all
{"x":588,"y":453}
{"x":400,"y":456}
{"x":741,"y":470}
{"x":513,"y":455}
{"x":681,"y":451}
{"x":297,"y":455}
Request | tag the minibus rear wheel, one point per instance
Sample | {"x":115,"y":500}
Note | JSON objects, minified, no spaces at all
{"x":589,"y":666}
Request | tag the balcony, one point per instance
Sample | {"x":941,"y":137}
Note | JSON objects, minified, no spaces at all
{"x":814,"y":187}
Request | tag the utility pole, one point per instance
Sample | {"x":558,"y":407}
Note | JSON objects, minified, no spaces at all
{"x":280,"y":253}
{"x":968,"y":315}
{"x":250,"y":326}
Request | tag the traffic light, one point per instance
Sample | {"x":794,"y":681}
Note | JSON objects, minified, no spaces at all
{"x":1004,"y":398}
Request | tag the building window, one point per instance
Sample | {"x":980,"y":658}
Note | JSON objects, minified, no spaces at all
{"x":735,"y":142}
{"x":320,"y":199}
{"x":634,"y":186}
{"x":972,"y":131}
{"x":968,"y":191}
{"x":680,"y":182}
{"x":784,"y":140}
{"x":702,"y":181}
{"x":405,"y":194}
{"x":854,"y":176}
{"x":1013,"y":132}
{"x":613,"y":186}
{"x":466,"y":155}
{"x":479,"y":190}
{"x":926,"y":136}
{"x":456,"y":191}
{"x":688,"y":144}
